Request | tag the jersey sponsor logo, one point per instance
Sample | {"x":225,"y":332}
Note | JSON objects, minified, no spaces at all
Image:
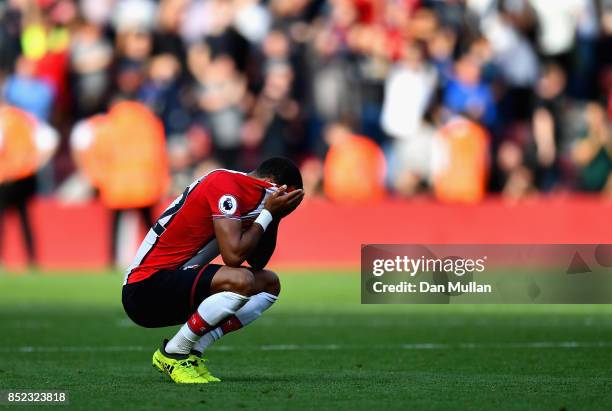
{"x":228,"y":204}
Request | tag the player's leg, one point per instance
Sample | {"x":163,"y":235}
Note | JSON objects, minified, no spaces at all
{"x":25,"y":191}
{"x":230,"y":289}
{"x":4,"y":203}
{"x":222,"y":291}
{"x":114,"y":238}
{"x":265,"y":293}
{"x":26,"y":229}
{"x":146,"y":215}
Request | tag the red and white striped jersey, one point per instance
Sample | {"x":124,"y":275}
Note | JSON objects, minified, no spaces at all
{"x":186,"y":226}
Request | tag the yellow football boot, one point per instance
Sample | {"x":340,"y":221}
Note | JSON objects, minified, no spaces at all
{"x":202,"y":368}
{"x":182,"y":368}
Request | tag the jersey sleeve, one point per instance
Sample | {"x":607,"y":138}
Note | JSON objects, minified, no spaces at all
{"x":224,"y":197}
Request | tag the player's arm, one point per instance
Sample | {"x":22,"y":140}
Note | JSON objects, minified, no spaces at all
{"x":264,"y":250}
{"x":234,"y":244}
{"x":262,"y":254}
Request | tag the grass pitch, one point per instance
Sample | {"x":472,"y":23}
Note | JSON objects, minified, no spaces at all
{"x":317,"y":348}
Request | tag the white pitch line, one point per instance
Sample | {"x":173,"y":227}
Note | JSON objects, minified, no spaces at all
{"x":327,"y":347}
{"x":381,"y":323}
{"x":510,"y":345}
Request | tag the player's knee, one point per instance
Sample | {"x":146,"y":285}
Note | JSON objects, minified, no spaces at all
{"x":241,"y":281}
{"x":267,"y":281}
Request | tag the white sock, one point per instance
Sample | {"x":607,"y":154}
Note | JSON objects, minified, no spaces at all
{"x":212,"y":311}
{"x":245,"y":315}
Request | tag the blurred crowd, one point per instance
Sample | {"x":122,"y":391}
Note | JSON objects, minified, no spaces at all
{"x":362,"y":94}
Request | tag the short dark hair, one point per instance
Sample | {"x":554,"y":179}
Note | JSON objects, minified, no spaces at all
{"x":282,"y":171}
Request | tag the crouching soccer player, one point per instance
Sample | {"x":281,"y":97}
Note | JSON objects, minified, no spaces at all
{"x":172,"y":282}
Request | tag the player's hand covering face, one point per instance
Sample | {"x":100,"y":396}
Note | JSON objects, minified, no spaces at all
{"x":280,"y":203}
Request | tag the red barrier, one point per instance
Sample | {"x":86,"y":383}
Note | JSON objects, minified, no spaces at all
{"x":323,"y":234}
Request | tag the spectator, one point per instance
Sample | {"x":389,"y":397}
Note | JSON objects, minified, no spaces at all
{"x":440,"y":47}
{"x":557,"y":28}
{"x":133,"y":16}
{"x":466,"y":93}
{"x":24,"y":90}
{"x":10,"y":48}
{"x":252,"y":20}
{"x":220,"y":98}
{"x":274,"y":125}
{"x":547,"y":127}
{"x":517,"y":178}
{"x":223,"y":38}
{"x":26,"y":145}
{"x":167,"y":39}
{"x":354,"y":167}
{"x":593,"y":151}
{"x":513,"y":55}
{"x":461,"y":162}
{"x":91,"y":56}
{"x":127,"y":164}
{"x":45,"y":40}
{"x":161,"y":93}
{"x":409,"y":89}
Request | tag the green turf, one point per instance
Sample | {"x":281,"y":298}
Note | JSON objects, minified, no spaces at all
{"x":318,"y":348}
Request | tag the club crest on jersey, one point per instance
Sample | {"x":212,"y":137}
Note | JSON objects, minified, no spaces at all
{"x":228,"y":204}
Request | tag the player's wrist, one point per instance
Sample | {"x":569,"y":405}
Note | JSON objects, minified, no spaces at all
{"x":264,"y":219}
